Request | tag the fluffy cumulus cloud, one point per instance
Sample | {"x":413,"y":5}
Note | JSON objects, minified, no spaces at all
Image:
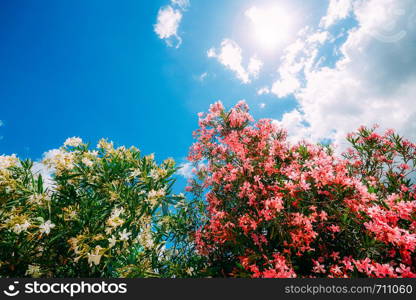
{"x":230,"y":55}
{"x":294,"y":123}
{"x":46,"y":173}
{"x":299,"y":57}
{"x":40,"y":168}
{"x":374,"y":80}
{"x":168,"y":20}
{"x":186,"y":170}
{"x":337,"y":10}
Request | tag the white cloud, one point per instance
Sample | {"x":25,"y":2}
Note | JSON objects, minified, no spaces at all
{"x":299,"y":56}
{"x":211,"y":53}
{"x":40,"y":168}
{"x":293,"y":122}
{"x":337,"y":10}
{"x":230,"y":55}
{"x":186,"y":170}
{"x":263,"y":91}
{"x":182,"y":4}
{"x":168,"y":20}
{"x":203,"y":76}
{"x":286,"y":86}
{"x":262,"y":105}
{"x":254,"y":66}
{"x":373,"y":82}
{"x":318,"y":37}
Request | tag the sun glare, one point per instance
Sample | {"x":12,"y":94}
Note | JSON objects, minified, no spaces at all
{"x":271,"y":25}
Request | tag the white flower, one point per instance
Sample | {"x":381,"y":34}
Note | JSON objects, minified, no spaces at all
{"x":93,"y":153}
{"x":112,"y":241}
{"x":124,"y":236}
{"x":157,"y":194}
{"x":60,"y":160}
{"x":25,"y":225}
{"x":94,"y":257}
{"x":117,"y":212}
{"x":190,"y":271}
{"x":8,"y":161}
{"x":136,"y":173}
{"x":46,"y":227}
{"x":105,"y":145}
{"x":18,"y":228}
{"x":73,"y":142}
{"x":154,"y":174}
{"x":108,"y":230}
{"x":145,"y":238}
{"x":33,"y":271}
{"x":39,"y":198}
{"x":88,"y":162}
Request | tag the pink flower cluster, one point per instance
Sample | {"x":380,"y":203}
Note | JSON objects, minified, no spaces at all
{"x":281,"y":210}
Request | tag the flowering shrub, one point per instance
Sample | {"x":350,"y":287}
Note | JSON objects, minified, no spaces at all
{"x":281,"y":210}
{"x":272,"y":209}
{"x":108,"y":212}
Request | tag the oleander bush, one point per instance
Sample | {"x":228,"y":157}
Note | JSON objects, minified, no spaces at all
{"x":107,"y":213}
{"x":258,"y":206}
{"x":281,"y":210}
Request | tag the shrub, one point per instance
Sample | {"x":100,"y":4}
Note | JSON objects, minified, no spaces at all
{"x":281,"y":210}
{"x":107,"y":213}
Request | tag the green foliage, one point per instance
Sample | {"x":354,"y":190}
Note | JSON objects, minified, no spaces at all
{"x":107,"y":213}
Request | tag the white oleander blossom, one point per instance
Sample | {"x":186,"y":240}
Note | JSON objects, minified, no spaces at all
{"x":7,"y":161}
{"x":18,"y":228}
{"x":73,"y":142}
{"x":95,"y":256}
{"x":33,"y":271}
{"x":46,"y":227}
{"x":124,"y":235}
{"x":88,"y":162}
{"x":112,"y":241}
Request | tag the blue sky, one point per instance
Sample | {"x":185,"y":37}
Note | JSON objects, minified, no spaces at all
{"x":138,"y":72}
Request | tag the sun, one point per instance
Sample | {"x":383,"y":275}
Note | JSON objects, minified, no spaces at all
{"x":271,"y":25}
